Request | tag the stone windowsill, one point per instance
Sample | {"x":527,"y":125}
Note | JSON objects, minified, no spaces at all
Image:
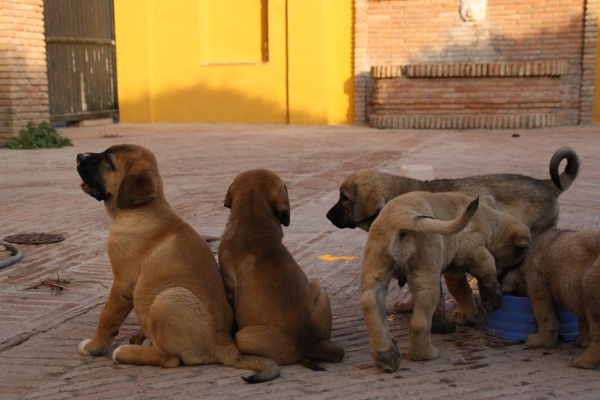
{"x":471,"y":70}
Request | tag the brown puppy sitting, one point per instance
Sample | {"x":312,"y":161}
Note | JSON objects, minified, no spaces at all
{"x":534,"y":201}
{"x":279,"y":313}
{"x":417,"y":237}
{"x":563,"y":267}
{"x":162,"y":268}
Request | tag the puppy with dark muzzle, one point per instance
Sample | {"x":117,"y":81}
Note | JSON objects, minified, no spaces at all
{"x":162,"y":268}
{"x":533,"y":201}
{"x":279,"y":312}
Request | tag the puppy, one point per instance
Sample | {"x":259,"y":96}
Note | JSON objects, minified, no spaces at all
{"x":534,"y":201}
{"x":563,"y":267}
{"x":162,"y":268}
{"x":416,"y":237}
{"x":279,"y":313}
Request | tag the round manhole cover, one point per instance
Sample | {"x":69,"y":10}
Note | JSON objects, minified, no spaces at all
{"x":34,"y":238}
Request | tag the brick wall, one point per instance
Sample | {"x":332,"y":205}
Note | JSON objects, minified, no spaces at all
{"x":23,"y":80}
{"x":426,"y":32}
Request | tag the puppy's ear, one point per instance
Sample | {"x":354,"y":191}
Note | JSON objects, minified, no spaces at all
{"x":521,"y":236}
{"x":227,"y":201}
{"x":136,"y":188}
{"x":281,"y":204}
{"x":366,"y":204}
{"x":510,"y":282}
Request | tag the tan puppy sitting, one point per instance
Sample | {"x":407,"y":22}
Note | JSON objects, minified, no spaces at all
{"x":563,"y":267}
{"x":416,"y":237}
{"x":279,"y":313}
{"x":162,"y":268}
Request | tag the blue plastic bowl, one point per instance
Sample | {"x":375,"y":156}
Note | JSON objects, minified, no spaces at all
{"x":514,"y":320}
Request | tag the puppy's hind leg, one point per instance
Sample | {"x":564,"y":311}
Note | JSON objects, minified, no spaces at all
{"x":583,"y":336}
{"x":404,"y":307}
{"x":591,"y":356}
{"x":180,"y":331}
{"x":320,"y":310}
{"x":323,"y":350}
{"x":327,"y":351}
{"x":144,"y":355}
{"x":439,"y":323}
{"x":376,"y":276}
{"x":426,"y":290}
{"x":270,"y":342}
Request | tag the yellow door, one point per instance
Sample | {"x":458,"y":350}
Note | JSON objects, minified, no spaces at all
{"x":275,"y":61}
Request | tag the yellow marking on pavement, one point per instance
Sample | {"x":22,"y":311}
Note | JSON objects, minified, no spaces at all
{"x":329,"y":257}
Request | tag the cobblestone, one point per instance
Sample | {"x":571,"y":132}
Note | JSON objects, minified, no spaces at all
{"x":41,"y":328}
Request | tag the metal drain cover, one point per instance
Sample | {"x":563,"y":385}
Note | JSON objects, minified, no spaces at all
{"x":209,"y":239}
{"x":34,"y":238}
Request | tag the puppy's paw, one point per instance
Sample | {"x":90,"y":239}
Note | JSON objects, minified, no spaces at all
{"x":89,"y":347}
{"x":137,"y":338}
{"x":490,"y":301}
{"x":430,"y":353}
{"x":388,"y":360}
{"x":581,"y":341}
{"x":463,"y":318}
{"x":586,"y":361}
{"x":115,"y":355}
{"x":442,"y":326}
{"x":81,"y":348}
{"x":403,"y":307}
{"x":539,"y":340}
{"x":491,"y":296}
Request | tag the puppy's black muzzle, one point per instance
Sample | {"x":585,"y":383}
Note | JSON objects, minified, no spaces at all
{"x":88,"y":167}
{"x":338,"y":217}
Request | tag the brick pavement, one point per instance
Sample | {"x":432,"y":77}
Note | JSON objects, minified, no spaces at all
{"x":40,"y":330}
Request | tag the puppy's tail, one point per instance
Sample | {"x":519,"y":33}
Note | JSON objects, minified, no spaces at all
{"x":563,"y":181}
{"x":266,"y":369}
{"x":431,"y":225}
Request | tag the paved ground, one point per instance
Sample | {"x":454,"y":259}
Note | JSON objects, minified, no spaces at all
{"x":40,"y":328}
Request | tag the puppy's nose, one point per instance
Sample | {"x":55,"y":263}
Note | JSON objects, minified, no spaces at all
{"x":81,"y":156}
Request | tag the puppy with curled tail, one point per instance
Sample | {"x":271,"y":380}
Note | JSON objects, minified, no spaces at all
{"x":533,"y":201}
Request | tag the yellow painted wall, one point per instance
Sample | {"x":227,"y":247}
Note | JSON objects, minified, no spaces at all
{"x":321,"y":82}
{"x":176,"y":62}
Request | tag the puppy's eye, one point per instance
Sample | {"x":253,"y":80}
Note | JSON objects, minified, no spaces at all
{"x":402,"y":234}
{"x":109,"y":161}
{"x":344,"y":195}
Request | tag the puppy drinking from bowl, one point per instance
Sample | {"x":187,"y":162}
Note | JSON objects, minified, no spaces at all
{"x":563,"y":268}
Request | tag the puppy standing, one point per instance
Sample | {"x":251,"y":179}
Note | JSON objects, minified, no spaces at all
{"x":279,"y":313}
{"x":534,"y":201}
{"x":563,"y":267}
{"x":416,"y":237}
{"x":162,"y":268}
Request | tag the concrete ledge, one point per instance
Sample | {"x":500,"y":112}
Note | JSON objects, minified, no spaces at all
{"x":471,"y":70}
{"x":525,"y":121}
